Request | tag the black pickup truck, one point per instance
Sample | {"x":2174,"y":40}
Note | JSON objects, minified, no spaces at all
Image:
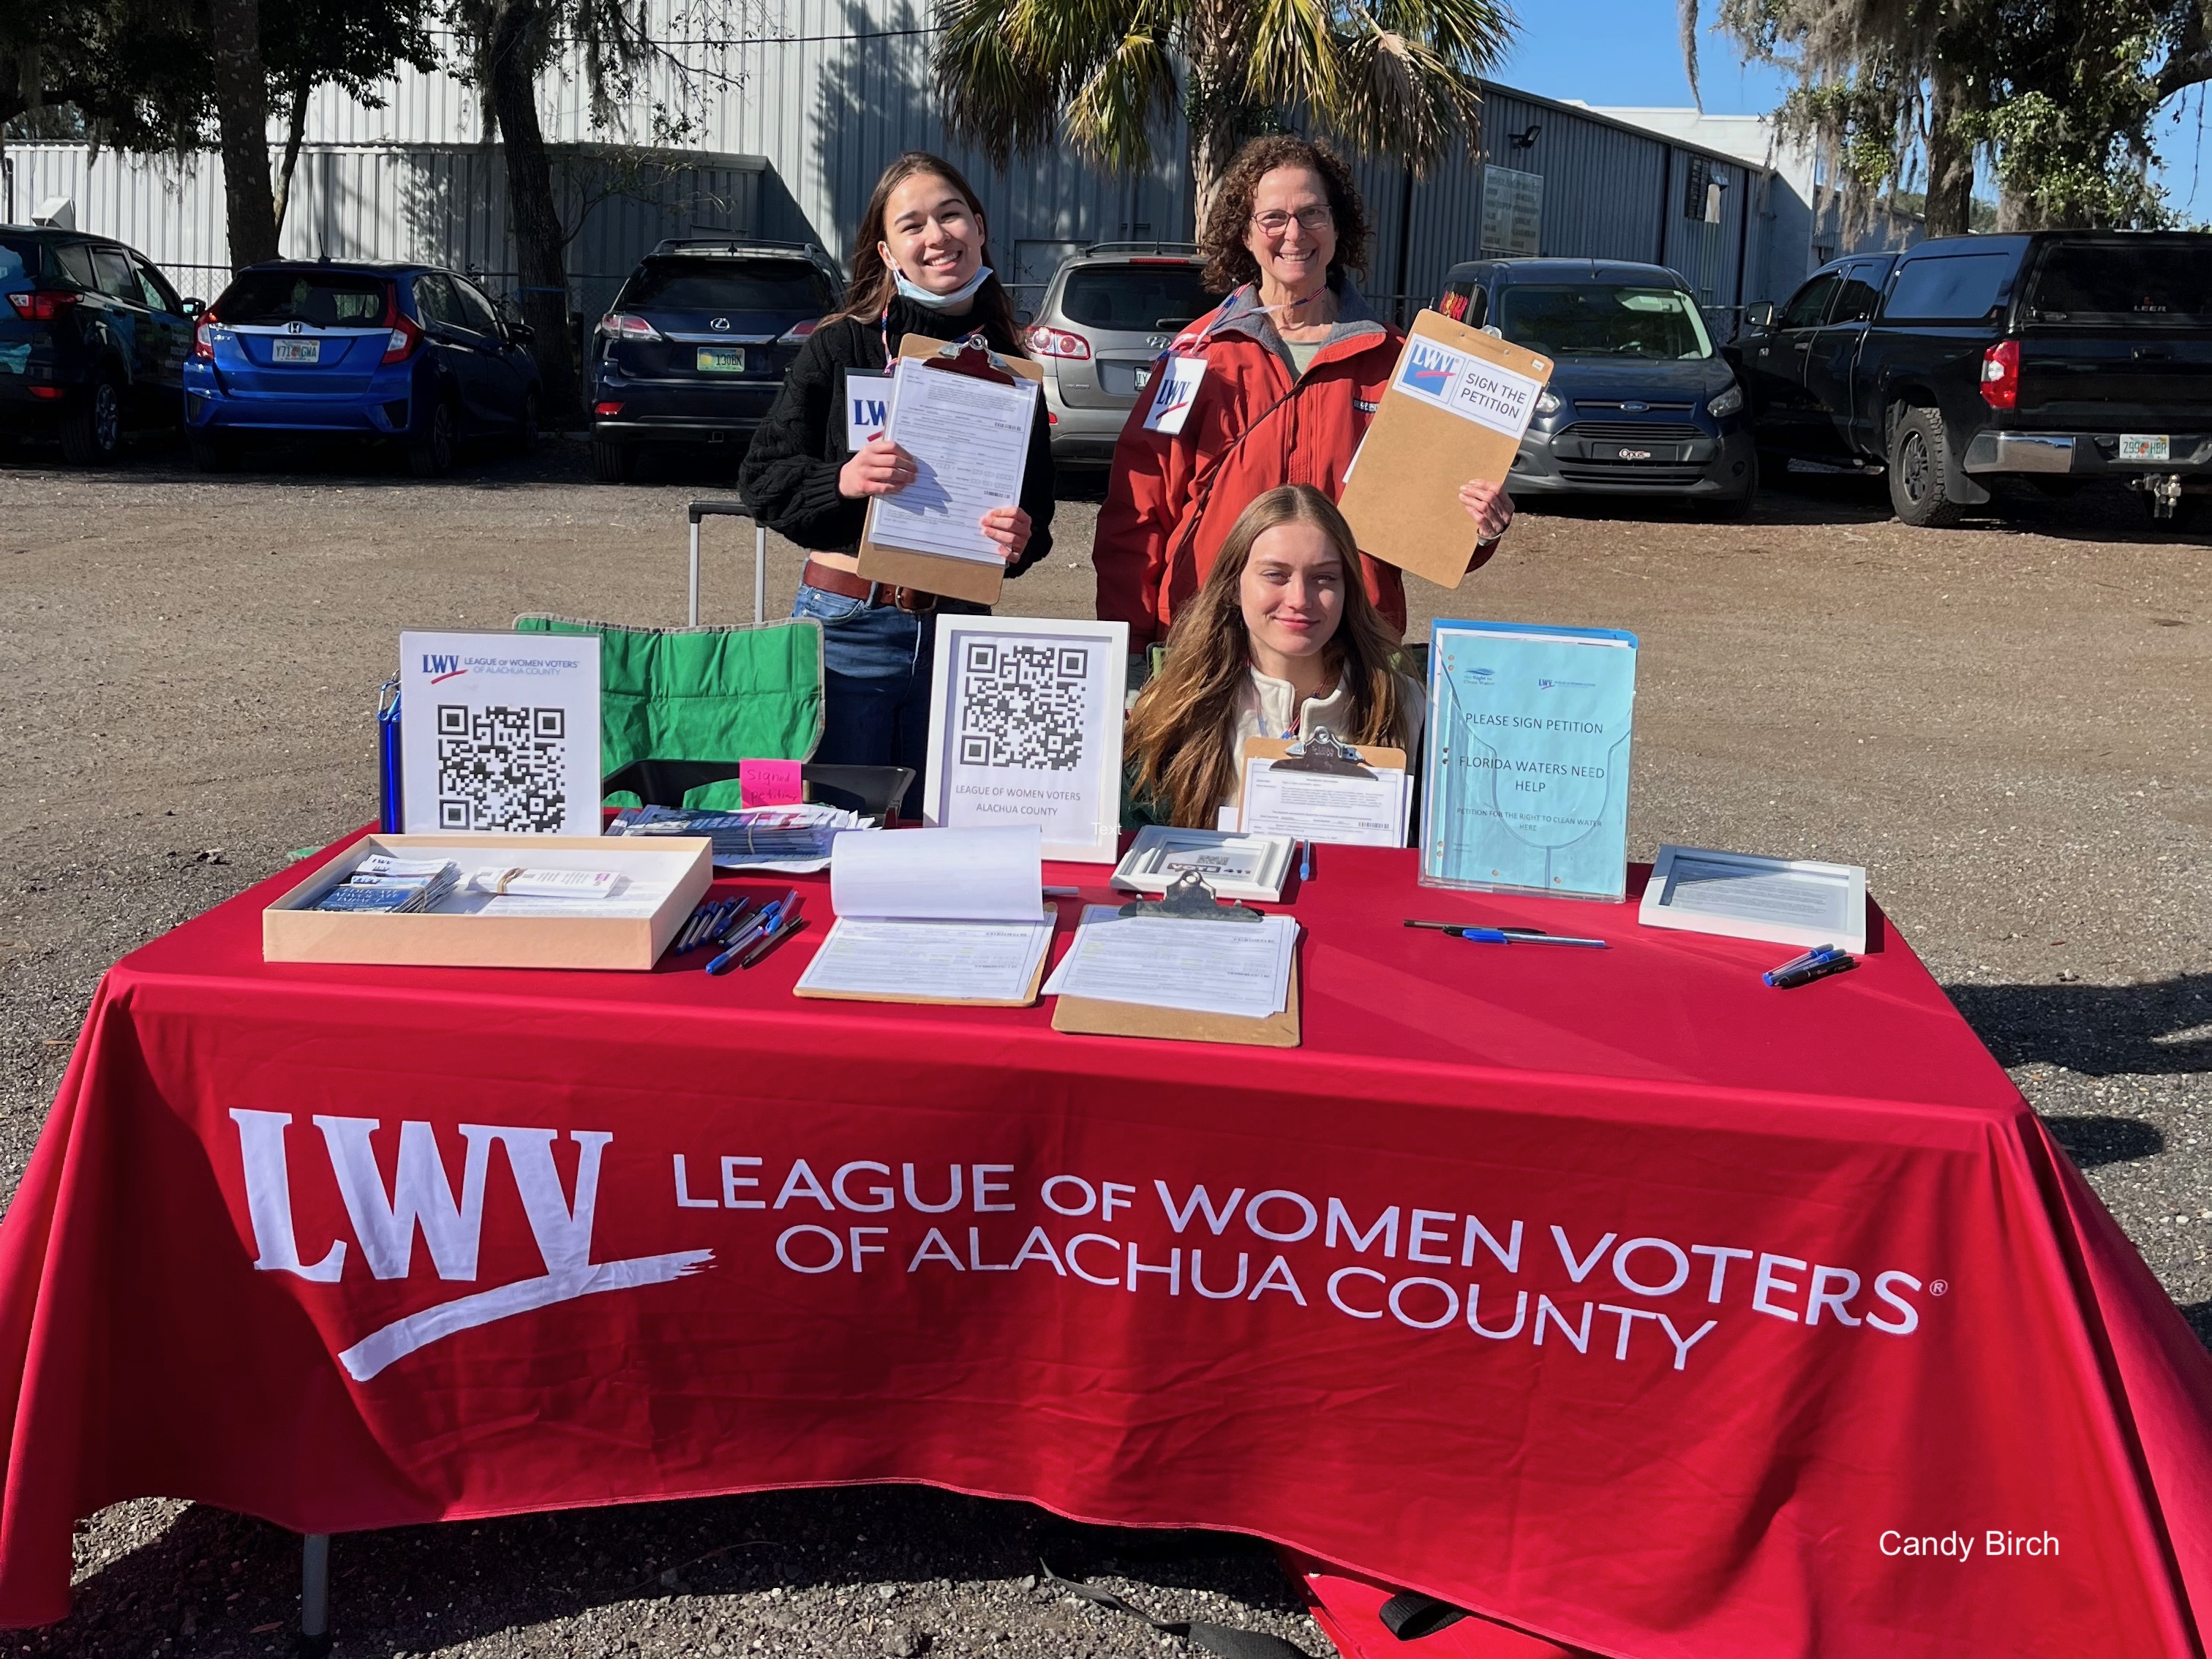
{"x":2057,"y":356}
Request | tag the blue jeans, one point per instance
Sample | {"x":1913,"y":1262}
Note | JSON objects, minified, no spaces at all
{"x":876,"y":664}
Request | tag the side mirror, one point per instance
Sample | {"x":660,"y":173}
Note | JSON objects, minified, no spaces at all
{"x":1760,"y":315}
{"x":521,"y":334}
{"x":192,"y":307}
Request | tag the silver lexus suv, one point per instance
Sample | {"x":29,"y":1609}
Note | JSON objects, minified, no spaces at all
{"x":1106,"y":315}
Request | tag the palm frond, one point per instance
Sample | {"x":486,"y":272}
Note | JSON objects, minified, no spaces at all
{"x":1110,"y":117}
{"x":1292,"y":54}
{"x":1403,"y":98}
{"x":994,"y":95}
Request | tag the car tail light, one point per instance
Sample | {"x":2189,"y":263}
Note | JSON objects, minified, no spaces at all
{"x":42,"y":305}
{"x":406,"y":334}
{"x":627,"y":326}
{"x":47,"y":391}
{"x":610,"y":408}
{"x":1059,"y":342}
{"x":799,"y":331}
{"x":2001,"y":374}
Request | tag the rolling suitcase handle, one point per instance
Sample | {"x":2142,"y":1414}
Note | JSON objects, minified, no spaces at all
{"x":730,"y":509}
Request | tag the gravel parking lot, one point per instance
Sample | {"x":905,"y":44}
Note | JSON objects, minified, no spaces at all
{"x":2009,"y":724}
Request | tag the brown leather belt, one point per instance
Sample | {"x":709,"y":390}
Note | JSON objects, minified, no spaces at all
{"x":847,"y":586}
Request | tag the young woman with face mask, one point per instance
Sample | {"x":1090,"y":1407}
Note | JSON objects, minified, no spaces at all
{"x":921,"y":265}
{"x":1280,"y":639}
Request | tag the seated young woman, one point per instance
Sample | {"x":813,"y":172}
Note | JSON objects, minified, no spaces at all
{"x":1282,"y":638}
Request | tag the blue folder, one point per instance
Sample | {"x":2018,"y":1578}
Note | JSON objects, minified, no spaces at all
{"x":1527,"y":786}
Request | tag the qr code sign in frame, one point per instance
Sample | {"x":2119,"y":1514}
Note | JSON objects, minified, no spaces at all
{"x":502,"y":768}
{"x":1025,"y":725}
{"x":1022,"y":704}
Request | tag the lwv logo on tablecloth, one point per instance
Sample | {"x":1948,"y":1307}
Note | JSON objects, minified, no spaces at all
{"x":422,"y":1199}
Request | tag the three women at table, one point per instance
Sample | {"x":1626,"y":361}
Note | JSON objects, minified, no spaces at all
{"x":1280,"y":640}
{"x":1294,"y":362}
{"x":921,"y":265}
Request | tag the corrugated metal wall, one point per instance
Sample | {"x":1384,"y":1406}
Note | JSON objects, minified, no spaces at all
{"x":827,"y":92}
{"x":444,"y":204}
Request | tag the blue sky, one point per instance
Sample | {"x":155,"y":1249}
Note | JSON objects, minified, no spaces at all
{"x":1629,"y":51}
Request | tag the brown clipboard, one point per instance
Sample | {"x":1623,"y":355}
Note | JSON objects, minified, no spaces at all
{"x":1088,"y":1016}
{"x":1402,"y":499}
{"x":932,"y":572}
{"x":1276,"y":749}
{"x":1095,"y":1017}
{"x":1026,"y":1001}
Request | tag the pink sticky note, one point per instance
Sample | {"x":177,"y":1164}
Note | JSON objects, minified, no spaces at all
{"x":769,"y":783}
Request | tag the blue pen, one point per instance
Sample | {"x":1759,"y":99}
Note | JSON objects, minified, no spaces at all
{"x":1819,"y":953}
{"x":1805,"y":974}
{"x":1507,"y":935}
{"x":705,"y":925}
{"x":764,"y":920}
{"x":689,"y":934}
{"x":1305,"y":862}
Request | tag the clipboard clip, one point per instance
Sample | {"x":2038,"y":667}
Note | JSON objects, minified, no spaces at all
{"x":1190,"y":899}
{"x":972,"y":357}
{"x":1321,"y":751}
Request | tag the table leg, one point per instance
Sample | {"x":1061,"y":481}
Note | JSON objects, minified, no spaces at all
{"x":315,"y":1594}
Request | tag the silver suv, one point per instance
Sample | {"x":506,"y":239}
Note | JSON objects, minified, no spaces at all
{"x":1107,"y":314}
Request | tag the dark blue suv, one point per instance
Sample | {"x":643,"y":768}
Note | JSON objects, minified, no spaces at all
{"x":93,"y":341}
{"x":1640,"y":402}
{"x":405,"y":353}
{"x":694,"y":347}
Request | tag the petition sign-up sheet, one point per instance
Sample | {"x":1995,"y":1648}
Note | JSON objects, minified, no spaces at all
{"x":969,"y":439}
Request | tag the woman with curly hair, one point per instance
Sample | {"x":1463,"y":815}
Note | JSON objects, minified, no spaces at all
{"x":1289,"y":369}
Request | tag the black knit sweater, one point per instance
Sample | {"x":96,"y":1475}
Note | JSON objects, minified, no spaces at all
{"x":790,"y":475}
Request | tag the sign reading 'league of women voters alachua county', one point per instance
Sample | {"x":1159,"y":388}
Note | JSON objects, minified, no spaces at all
{"x":1527,"y":758}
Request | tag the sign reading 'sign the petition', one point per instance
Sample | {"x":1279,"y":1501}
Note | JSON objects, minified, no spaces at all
{"x":1462,"y":383}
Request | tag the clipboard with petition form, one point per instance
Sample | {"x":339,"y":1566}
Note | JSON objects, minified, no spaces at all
{"x":1341,"y":793}
{"x":954,"y":575}
{"x":1190,"y":899}
{"x":1455,"y":409}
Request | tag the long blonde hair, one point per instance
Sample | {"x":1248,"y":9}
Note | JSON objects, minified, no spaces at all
{"x":1178,"y":738}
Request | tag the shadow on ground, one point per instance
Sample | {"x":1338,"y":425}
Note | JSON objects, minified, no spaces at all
{"x":227,"y":1584}
{"x":2160,"y":1029}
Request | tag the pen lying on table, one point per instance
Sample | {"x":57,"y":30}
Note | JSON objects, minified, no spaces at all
{"x":1507,"y":935}
{"x":767,"y":923}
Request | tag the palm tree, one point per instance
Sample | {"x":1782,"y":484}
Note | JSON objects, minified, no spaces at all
{"x":1397,"y":76}
{"x":510,"y":42}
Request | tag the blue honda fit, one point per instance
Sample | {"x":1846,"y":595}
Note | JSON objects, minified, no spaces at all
{"x":405,"y":353}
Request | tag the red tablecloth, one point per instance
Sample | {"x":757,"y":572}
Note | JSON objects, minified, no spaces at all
{"x":1612,"y":1294}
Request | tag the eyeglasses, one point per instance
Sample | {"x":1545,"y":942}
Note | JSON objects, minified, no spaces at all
{"x":1310,"y":219}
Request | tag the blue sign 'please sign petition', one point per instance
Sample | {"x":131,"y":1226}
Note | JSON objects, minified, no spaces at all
{"x":1527,"y":758}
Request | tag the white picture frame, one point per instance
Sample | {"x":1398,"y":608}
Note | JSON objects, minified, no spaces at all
{"x":1071,"y":678}
{"x":499,"y":732}
{"x":1798,"y":902}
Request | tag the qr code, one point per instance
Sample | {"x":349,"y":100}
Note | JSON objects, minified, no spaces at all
{"x":1022,"y":705}
{"x":503,"y":768}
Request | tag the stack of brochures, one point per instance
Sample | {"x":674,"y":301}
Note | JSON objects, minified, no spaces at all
{"x":795,"y":840}
{"x":393,"y":886}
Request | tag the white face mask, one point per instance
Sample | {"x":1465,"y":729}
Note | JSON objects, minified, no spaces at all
{"x":959,"y":296}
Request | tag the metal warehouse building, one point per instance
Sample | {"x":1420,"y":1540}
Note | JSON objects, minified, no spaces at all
{"x":796,"y":118}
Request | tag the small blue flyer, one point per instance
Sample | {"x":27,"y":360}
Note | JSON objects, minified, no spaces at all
{"x":1527,"y":758}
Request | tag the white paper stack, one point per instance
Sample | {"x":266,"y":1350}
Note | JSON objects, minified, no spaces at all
{"x":934,"y":916}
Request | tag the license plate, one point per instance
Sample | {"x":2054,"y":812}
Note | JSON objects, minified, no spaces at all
{"x":721,"y":360}
{"x":297,"y":351}
{"x":1636,"y":453}
{"x":2144,"y":446}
